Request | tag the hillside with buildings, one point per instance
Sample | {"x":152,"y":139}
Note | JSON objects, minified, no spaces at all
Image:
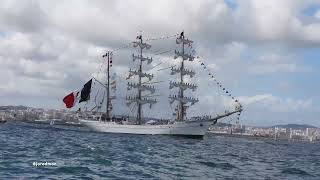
{"x":288,"y":131}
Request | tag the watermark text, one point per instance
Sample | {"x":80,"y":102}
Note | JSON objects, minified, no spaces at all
{"x":44,"y":164}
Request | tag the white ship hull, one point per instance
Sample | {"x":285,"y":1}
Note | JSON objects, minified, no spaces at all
{"x":186,"y":128}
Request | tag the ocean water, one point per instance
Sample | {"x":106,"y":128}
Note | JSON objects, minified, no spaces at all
{"x":90,"y":155}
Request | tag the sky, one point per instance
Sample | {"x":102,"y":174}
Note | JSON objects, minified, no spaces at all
{"x":265,"y":52}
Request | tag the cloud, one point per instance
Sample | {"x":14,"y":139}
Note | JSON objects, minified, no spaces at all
{"x":48,"y":48}
{"x":23,"y":16}
{"x":275,"y":63}
{"x":267,"y":109}
{"x":317,"y":14}
{"x":275,"y":21}
{"x":270,"y":102}
{"x":271,"y":69}
{"x":284,"y":86}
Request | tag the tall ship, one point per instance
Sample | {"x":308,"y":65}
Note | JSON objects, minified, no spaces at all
{"x":143,"y":95}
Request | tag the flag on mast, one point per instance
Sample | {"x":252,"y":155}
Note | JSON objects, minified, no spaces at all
{"x":70,"y":99}
{"x":85,"y":92}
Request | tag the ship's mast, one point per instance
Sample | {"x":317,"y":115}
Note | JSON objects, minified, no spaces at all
{"x":182,"y":112}
{"x":108,"y":55}
{"x":139,"y":99}
{"x":182,"y":100}
{"x":139,"y":90}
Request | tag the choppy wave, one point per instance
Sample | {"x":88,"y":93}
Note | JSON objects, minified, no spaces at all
{"x":115,"y":156}
{"x":295,"y":171}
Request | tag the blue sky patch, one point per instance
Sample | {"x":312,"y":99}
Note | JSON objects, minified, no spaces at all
{"x":311,"y":10}
{"x":231,"y":3}
{"x":2,"y":34}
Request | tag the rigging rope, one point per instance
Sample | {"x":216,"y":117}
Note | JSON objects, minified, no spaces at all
{"x":166,"y":68}
{"x":162,"y":37}
{"x":202,"y":64}
{"x":211,"y":75}
{"x":155,"y":66}
{"x":120,"y":48}
{"x":147,"y":82}
{"x":128,"y":45}
{"x":164,"y":52}
{"x":157,"y":51}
